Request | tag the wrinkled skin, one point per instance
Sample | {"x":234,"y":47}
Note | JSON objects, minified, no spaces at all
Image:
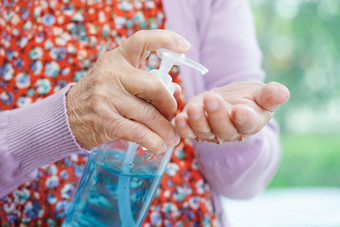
{"x":110,"y":101}
{"x":115,"y":99}
{"x":230,"y":113}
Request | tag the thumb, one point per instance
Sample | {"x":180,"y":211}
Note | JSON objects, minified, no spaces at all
{"x":272,"y":95}
{"x":136,"y":48}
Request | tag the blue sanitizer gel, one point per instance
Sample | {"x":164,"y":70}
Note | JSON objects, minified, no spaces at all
{"x":96,"y":201}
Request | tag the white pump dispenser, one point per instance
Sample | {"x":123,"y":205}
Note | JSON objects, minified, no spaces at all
{"x":109,"y":179}
{"x":169,"y":59}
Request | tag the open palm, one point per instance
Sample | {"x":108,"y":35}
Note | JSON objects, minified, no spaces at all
{"x":230,"y":113}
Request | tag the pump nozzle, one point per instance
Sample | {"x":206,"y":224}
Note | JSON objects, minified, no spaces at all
{"x":195,"y":65}
{"x":170,"y":58}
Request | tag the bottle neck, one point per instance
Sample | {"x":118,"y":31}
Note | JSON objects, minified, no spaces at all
{"x":166,"y":65}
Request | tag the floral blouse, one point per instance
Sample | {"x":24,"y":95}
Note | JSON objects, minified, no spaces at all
{"x":46,"y":44}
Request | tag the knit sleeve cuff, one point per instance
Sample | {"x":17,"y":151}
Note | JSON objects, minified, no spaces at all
{"x":215,"y":152}
{"x":40,"y":133}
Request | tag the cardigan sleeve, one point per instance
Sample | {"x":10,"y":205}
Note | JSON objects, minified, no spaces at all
{"x":33,"y":136}
{"x":229,"y":49}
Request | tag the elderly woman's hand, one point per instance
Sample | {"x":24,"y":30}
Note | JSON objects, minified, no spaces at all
{"x":115,"y":99}
{"x":230,"y":113}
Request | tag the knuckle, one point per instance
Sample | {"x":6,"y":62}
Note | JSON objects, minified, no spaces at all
{"x":99,"y":132}
{"x":103,"y":57}
{"x":158,"y":89}
{"x":140,"y":35}
{"x":106,"y":58}
{"x":116,"y":127}
{"x":102,"y":136}
{"x":97,"y":102}
{"x":138,"y":133}
{"x":172,"y":106}
{"x":150,"y":113}
{"x":190,"y":108}
{"x":95,"y":82}
{"x":154,"y":84}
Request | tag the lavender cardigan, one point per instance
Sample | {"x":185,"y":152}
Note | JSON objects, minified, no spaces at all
{"x":223,"y":39}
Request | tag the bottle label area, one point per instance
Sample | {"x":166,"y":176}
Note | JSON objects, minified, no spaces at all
{"x":103,"y":189}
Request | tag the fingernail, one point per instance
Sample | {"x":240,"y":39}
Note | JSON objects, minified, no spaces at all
{"x":195,"y":116}
{"x":163,"y":148}
{"x":219,"y":141}
{"x":181,"y":123}
{"x":183,"y":44}
{"x":212,"y":137}
{"x":199,"y":140}
{"x":234,"y":138}
{"x":191,"y":135}
{"x":176,"y":140}
{"x":241,"y":116}
{"x":212,"y":105}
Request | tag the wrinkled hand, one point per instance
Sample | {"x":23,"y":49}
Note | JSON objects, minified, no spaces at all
{"x":110,"y":101}
{"x":230,"y":113}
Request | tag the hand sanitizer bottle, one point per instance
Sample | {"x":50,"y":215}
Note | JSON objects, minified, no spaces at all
{"x":120,"y":178}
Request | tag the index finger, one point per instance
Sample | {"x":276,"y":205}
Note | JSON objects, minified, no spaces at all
{"x":149,"y":87}
{"x":136,"y":48}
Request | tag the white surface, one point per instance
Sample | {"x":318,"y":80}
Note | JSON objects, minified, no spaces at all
{"x":294,"y":207}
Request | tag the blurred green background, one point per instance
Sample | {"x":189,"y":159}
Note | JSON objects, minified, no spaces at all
{"x":300,"y":40}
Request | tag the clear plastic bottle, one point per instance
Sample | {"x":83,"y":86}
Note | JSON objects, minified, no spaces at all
{"x":120,"y":178}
